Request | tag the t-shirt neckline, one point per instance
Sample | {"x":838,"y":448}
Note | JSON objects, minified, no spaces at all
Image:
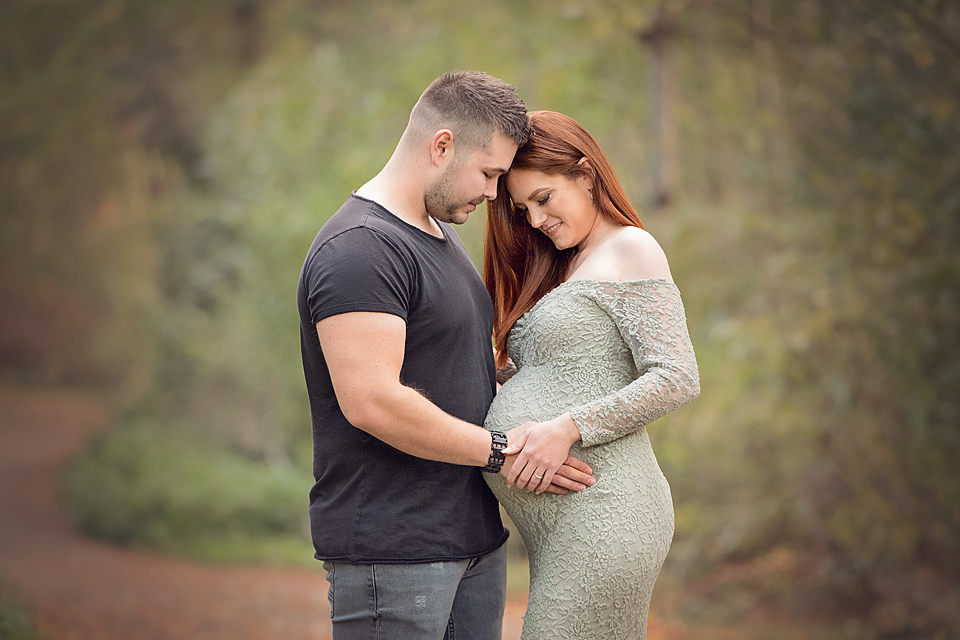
{"x":393,"y":216}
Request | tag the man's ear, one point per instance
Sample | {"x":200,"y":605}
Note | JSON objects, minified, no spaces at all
{"x":441,"y":147}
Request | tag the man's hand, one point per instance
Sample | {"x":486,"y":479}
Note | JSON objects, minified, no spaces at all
{"x":541,"y":449}
{"x":573,"y":475}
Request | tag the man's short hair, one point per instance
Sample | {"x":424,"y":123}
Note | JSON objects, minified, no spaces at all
{"x":474,"y":106}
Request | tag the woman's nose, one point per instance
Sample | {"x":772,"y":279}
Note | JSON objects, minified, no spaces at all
{"x":535,"y":218}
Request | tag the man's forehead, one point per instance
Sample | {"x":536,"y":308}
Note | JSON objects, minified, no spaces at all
{"x":498,"y":148}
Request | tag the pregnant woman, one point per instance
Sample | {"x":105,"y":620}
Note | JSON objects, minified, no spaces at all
{"x":588,"y":314}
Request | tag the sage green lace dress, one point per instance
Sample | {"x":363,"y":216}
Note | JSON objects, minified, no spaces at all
{"x":617,"y":355}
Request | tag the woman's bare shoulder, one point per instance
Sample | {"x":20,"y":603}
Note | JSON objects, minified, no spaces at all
{"x":629,"y":254}
{"x":638,"y":255}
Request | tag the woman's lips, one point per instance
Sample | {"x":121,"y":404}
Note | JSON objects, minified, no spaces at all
{"x":549,"y":230}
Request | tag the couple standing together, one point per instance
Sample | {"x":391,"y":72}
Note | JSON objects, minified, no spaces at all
{"x":396,"y":328}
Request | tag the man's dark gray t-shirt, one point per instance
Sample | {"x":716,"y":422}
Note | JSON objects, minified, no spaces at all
{"x":372,"y":502}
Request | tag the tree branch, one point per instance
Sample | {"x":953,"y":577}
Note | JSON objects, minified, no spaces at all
{"x":951,"y":45}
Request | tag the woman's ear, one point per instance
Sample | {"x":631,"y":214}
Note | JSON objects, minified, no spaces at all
{"x":586,"y":171}
{"x":586,"y":175}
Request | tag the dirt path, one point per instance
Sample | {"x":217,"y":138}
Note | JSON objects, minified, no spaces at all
{"x":77,"y":588}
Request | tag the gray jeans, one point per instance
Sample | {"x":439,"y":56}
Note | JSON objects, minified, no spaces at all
{"x":461,"y":600}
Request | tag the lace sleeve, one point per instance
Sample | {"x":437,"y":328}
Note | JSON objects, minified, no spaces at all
{"x":651,"y":321}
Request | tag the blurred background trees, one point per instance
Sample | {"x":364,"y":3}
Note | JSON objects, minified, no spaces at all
{"x":164,"y":167}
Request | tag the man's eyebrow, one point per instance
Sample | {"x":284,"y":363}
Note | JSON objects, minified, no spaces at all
{"x":497,"y":170}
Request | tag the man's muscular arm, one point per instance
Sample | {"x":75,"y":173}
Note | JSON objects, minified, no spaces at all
{"x":364,"y":354}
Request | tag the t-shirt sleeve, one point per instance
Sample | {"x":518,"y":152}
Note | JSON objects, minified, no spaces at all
{"x":359,"y":270}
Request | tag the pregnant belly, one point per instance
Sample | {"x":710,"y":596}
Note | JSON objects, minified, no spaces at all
{"x":542,"y":392}
{"x":538,"y":393}
{"x":629,"y":481}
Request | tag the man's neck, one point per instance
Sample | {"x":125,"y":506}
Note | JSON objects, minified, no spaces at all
{"x":402,"y":196}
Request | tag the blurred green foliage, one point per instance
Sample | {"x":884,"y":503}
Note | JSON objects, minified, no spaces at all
{"x":164,"y":167}
{"x":141,"y":486}
{"x":14,"y":620}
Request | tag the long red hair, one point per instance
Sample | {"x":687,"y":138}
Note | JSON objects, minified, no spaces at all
{"x":520,"y":263}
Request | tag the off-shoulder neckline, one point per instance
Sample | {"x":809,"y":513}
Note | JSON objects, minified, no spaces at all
{"x":605,"y":283}
{"x":609,"y":282}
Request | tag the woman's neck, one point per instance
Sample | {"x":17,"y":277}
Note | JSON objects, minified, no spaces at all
{"x":603,"y":229}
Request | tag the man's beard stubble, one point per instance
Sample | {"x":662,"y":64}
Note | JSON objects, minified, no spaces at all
{"x":440,"y":201}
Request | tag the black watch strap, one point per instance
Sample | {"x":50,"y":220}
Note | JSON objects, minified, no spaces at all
{"x":498,"y":440}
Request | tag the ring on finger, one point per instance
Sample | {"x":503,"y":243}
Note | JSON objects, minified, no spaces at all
{"x":538,"y":477}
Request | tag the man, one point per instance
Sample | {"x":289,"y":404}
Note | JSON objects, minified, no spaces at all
{"x":395,"y":334}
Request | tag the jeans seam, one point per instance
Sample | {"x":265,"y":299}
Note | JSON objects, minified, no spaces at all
{"x":376,"y":607}
{"x":331,"y":596}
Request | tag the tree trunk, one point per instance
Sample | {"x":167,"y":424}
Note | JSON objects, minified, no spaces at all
{"x":663,"y":136}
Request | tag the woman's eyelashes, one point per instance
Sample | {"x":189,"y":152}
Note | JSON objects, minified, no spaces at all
{"x":522,"y":210}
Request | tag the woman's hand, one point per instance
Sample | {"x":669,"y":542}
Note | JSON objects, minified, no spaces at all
{"x":573,"y":475}
{"x":540,"y":448}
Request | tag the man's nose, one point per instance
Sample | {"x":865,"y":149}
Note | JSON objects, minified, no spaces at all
{"x":490,"y":192}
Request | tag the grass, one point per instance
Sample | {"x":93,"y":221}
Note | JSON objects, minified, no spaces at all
{"x":237,"y":548}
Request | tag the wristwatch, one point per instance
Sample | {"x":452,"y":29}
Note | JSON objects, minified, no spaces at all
{"x":498,"y":440}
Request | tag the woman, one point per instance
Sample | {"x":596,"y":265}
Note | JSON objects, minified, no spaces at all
{"x":587,"y":311}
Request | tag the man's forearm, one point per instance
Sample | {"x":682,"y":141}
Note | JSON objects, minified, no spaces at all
{"x":406,"y":420}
